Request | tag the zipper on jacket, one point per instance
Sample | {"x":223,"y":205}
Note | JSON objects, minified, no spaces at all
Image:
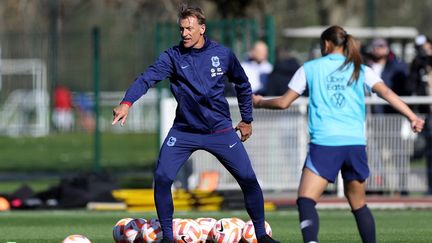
{"x":204,"y":85}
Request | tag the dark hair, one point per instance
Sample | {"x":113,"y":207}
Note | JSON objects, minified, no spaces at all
{"x":185,"y":11}
{"x":339,"y":37}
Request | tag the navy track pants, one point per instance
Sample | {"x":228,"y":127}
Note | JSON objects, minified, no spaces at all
{"x":228,"y":149}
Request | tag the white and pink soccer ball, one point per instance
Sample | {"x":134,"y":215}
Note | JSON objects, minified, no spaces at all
{"x":152,"y":231}
{"x":76,"y":239}
{"x":187,"y":230}
{"x":206,"y":225}
{"x":237,"y":221}
{"x":118,"y":230}
{"x":133,"y":230}
{"x":175,"y":222}
{"x":248,"y":234}
{"x":226,"y":231}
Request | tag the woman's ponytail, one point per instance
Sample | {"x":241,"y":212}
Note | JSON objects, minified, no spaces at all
{"x":352,"y":54}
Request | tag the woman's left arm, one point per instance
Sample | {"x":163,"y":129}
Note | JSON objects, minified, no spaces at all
{"x":395,"y":101}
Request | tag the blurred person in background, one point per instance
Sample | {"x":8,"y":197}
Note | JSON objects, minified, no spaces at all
{"x":420,"y":84}
{"x":63,"y":117}
{"x":257,"y":67}
{"x":337,"y":118}
{"x":393,"y":71}
{"x":197,"y":69}
{"x":84,"y":105}
{"x":420,"y":77}
{"x":284,"y":69}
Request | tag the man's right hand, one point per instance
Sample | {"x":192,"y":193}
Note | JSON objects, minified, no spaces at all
{"x":120,"y":113}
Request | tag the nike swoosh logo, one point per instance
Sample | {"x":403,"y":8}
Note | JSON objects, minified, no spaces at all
{"x":221,"y":228}
{"x":183,"y":67}
{"x":232,"y":145}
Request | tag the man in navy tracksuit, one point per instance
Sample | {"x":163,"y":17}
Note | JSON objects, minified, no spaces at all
{"x":197,"y":69}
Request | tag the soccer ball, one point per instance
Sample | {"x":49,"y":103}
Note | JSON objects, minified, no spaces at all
{"x":118,"y":230}
{"x":187,"y":230}
{"x":238,"y":222}
{"x":152,"y":231}
{"x":206,"y":225}
{"x":175,"y":222}
{"x":76,"y":239}
{"x":225,"y":231}
{"x":249,"y":232}
{"x":133,"y":230}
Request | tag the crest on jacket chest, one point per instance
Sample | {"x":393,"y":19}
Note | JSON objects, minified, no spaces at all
{"x":216,"y":69}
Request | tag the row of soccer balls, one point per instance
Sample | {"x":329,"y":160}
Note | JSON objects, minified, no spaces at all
{"x":226,"y":230}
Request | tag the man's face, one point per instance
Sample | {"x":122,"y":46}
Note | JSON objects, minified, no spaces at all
{"x":380,"y":51}
{"x":191,"y":32}
{"x":428,"y":48}
{"x":259,"y":52}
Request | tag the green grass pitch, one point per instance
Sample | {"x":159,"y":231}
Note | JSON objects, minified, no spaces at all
{"x":336,"y":225}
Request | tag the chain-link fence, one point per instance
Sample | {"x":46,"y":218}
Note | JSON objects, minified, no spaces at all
{"x":278,"y":148}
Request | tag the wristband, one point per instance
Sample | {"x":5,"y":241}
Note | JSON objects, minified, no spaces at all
{"x":126,"y":103}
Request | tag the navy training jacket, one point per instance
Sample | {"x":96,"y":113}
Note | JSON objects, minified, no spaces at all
{"x":197,"y":81}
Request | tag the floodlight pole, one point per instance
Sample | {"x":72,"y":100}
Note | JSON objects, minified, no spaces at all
{"x":96,"y":91}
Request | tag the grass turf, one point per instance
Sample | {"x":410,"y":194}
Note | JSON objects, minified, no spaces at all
{"x":336,"y":225}
{"x":74,"y":152}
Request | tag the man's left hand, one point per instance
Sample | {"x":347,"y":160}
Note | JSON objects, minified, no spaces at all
{"x":245,"y":130}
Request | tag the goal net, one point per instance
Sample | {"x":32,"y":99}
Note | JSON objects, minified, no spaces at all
{"x":24,"y":97}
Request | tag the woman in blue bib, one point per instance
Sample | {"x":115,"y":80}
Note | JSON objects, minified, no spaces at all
{"x":336,"y":119}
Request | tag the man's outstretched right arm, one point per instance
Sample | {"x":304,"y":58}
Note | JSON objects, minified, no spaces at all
{"x":158,"y":71}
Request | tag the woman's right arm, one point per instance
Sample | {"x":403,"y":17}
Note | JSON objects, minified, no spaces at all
{"x":296,"y":87}
{"x":278,"y":103}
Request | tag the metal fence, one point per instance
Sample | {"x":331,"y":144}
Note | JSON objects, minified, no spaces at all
{"x":25,"y":112}
{"x":142,"y":116}
{"x":279,"y":145}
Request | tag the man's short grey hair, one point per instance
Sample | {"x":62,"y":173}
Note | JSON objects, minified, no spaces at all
{"x":185,"y":12}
